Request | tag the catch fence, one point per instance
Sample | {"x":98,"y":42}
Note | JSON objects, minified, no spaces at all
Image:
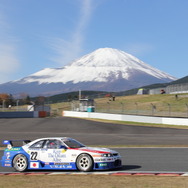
{"x":148,"y":109}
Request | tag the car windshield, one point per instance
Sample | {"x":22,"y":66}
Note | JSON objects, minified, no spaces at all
{"x":71,"y":143}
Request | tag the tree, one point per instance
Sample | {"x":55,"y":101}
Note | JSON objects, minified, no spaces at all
{"x":6,"y":99}
{"x":40,"y":100}
{"x":24,"y":99}
{"x":28,"y":100}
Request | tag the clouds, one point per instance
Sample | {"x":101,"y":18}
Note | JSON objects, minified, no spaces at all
{"x":9,"y":62}
{"x":68,"y":50}
{"x":61,"y":49}
{"x":86,"y":11}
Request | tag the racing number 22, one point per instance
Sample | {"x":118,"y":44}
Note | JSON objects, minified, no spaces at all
{"x":34,"y":156}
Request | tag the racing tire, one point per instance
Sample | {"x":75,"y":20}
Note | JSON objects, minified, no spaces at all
{"x":84,"y":163}
{"x":20,"y":163}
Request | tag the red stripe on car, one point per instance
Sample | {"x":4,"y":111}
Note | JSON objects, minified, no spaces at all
{"x":89,"y":150}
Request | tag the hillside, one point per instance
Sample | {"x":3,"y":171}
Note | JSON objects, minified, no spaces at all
{"x":180,"y":81}
{"x":65,"y":97}
{"x":97,"y":94}
{"x":157,"y":105}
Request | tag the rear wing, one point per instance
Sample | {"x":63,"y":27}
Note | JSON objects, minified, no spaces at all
{"x":10,"y":144}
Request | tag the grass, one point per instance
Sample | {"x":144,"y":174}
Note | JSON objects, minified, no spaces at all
{"x":139,"y":124}
{"x":92,"y":181}
{"x":143,"y":104}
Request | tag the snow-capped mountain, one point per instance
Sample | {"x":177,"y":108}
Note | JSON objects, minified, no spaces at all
{"x":105,"y":69}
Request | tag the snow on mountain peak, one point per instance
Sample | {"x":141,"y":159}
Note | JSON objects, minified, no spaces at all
{"x":103,"y":57}
{"x":102,"y":65}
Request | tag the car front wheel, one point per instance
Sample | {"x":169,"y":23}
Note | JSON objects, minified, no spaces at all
{"x":84,"y":163}
{"x":20,"y":163}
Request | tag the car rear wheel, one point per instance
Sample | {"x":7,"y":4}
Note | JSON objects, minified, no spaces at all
{"x":84,"y":163}
{"x":20,"y":163}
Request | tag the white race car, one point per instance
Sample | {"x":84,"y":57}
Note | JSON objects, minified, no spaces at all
{"x":58,"y":153}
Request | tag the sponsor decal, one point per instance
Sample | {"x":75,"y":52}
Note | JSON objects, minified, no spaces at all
{"x":13,"y":149}
{"x":100,"y":159}
{"x":34,"y":149}
{"x":8,"y":161}
{"x":56,"y":155}
{"x":96,"y":155}
{"x":7,"y":164}
{"x":34,"y":165}
{"x":74,"y":155}
{"x":61,"y":163}
{"x":63,"y":150}
{"x":61,"y":166}
{"x":103,"y":164}
{"x":8,"y":156}
{"x":44,"y":150}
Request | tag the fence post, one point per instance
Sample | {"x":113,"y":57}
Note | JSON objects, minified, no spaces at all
{"x":187,"y":108}
{"x":153,"y":108}
{"x":3,"y":105}
{"x":17,"y":104}
{"x":136,"y":108}
{"x":108,"y":107}
{"x":169,"y":109}
{"x":72,"y":106}
{"x":122,"y":107}
{"x":95,"y":106}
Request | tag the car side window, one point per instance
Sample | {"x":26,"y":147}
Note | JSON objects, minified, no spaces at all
{"x":38,"y":144}
{"x":53,"y":144}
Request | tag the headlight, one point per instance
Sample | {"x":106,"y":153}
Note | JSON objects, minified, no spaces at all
{"x":107,"y":155}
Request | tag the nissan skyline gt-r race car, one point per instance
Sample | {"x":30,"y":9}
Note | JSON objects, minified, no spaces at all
{"x":58,"y":153}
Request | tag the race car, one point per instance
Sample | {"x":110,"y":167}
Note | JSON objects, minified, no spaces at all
{"x":58,"y":153}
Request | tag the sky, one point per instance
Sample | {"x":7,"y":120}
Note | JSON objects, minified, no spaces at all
{"x":38,"y":34}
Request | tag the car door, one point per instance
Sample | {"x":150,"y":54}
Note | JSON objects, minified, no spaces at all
{"x":53,"y":152}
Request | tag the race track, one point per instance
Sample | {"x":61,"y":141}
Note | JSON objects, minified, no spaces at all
{"x":164,"y":160}
{"x":97,"y":133}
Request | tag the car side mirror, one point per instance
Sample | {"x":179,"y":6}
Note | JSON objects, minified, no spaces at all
{"x":62,"y":147}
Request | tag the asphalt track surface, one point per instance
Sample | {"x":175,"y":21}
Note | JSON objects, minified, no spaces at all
{"x":97,"y":133}
{"x":91,"y":132}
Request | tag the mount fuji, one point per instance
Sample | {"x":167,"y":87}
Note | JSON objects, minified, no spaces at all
{"x":105,"y":69}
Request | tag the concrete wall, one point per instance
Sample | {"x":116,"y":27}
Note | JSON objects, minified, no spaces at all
{"x":131,"y":118}
{"x":23,"y":114}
